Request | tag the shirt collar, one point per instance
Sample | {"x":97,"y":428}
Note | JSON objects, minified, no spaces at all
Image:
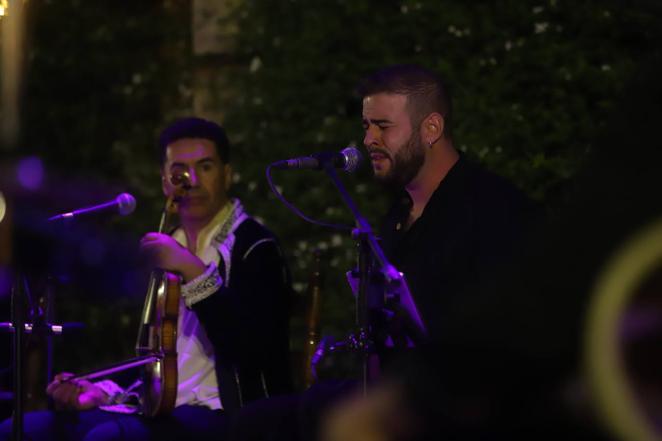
{"x":210,"y":230}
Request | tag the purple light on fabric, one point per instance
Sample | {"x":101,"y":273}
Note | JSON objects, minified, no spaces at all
{"x":30,"y":172}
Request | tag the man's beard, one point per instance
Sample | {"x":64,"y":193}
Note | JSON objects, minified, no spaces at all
{"x":406,"y":163}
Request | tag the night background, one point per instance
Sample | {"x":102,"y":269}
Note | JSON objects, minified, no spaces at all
{"x":550,"y":94}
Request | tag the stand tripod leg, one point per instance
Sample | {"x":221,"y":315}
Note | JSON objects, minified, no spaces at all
{"x":362,"y":317}
{"x":18,"y":320}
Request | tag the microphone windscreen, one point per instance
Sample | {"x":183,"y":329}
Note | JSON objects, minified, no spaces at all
{"x":126,"y":203}
{"x":353,"y":158}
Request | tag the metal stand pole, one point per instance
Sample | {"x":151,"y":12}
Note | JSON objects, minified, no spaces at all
{"x":18,"y":321}
{"x":372,"y":258}
{"x":368,"y":248}
{"x":20,"y":327}
{"x":364,"y":338}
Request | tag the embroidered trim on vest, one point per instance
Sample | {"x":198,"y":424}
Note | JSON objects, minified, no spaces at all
{"x":202,"y":286}
{"x":211,"y":280}
{"x":224,"y":240}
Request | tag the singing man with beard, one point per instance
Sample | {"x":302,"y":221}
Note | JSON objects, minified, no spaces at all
{"x":453,"y":230}
{"x":453,"y":225}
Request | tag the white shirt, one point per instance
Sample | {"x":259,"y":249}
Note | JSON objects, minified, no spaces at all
{"x":195,"y":354}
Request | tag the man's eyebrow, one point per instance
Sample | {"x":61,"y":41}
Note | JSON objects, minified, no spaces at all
{"x":377,"y":121}
{"x":199,"y":161}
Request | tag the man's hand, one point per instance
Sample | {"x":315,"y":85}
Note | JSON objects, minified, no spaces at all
{"x":75,"y":394}
{"x":165,"y":253}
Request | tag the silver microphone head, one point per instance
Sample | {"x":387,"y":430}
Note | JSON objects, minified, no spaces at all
{"x":353,"y":159}
{"x":126,"y":203}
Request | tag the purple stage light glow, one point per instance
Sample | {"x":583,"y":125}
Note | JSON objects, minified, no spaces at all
{"x":93,"y":252}
{"x":30,"y":172}
{"x":5,"y":282}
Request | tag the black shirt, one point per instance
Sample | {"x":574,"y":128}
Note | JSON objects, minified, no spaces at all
{"x":467,"y":233}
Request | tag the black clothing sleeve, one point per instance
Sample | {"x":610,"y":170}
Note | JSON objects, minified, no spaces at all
{"x":247,"y":319}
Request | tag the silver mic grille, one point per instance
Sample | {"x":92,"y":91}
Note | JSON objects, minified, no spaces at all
{"x":353,"y":158}
{"x":126,"y":203}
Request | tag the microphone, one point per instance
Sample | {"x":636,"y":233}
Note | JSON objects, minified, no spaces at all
{"x":123,"y":204}
{"x":347,"y":159}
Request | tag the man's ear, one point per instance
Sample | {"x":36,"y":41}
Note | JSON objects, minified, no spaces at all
{"x":432,"y":128}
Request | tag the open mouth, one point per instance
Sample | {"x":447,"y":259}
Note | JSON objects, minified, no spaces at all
{"x":378,"y":155}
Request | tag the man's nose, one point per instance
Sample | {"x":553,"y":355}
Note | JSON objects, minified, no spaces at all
{"x":370,"y":137}
{"x":193,"y":178}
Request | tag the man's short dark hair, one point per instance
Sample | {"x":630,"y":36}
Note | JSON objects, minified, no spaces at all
{"x":426,"y":91}
{"x":193,"y":127}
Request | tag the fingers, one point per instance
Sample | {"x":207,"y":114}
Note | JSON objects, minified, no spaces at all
{"x":164,"y":252}
{"x":151,"y":247}
{"x":155,"y":242}
{"x":63,"y":376}
{"x":69,"y":396}
{"x":75,"y":394}
{"x":149,"y":240}
{"x":91,"y":398}
{"x":65,"y":395}
{"x":57,"y":381}
{"x":64,"y":391}
{"x":149,"y":237}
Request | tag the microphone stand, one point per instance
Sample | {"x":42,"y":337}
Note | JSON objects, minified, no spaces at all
{"x":18,"y":322}
{"x":20,"y":327}
{"x":369,"y":253}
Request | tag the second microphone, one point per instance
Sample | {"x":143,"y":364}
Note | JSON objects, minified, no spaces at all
{"x":348,"y":159}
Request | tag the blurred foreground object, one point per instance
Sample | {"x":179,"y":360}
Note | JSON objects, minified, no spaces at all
{"x":12,"y":64}
{"x":623,"y":337}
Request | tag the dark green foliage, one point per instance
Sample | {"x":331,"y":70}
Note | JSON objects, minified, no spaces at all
{"x":533,"y":82}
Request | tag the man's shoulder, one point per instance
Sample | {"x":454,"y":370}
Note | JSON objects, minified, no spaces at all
{"x":251,"y":233}
{"x":253,"y":239}
{"x":483,"y":176}
{"x":495,"y":199}
{"x":492,"y":186}
{"x":251,"y":227}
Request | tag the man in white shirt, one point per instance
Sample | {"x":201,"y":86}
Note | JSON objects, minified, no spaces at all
{"x":232,"y":338}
